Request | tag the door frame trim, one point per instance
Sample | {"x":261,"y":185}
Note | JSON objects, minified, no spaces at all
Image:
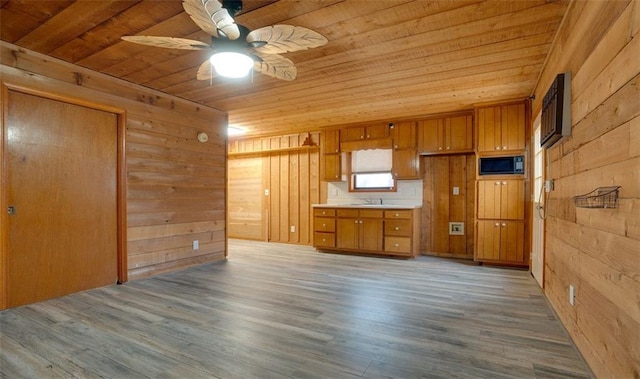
{"x":121,"y":178}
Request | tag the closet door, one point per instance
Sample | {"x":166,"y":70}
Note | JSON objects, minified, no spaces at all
{"x":61,"y":190}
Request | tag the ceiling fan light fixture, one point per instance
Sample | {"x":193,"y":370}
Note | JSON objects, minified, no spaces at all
{"x":231,"y":64}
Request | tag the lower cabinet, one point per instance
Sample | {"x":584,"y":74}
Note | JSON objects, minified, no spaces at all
{"x":359,"y":229}
{"x":500,"y":241}
{"x":383,"y":230}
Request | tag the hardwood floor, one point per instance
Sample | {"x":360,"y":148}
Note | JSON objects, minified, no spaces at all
{"x":286,"y":311}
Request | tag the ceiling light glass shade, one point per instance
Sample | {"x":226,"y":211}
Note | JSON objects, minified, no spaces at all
{"x":231,"y":65}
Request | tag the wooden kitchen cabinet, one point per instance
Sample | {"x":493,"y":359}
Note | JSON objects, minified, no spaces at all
{"x":501,"y":199}
{"x":330,"y":141}
{"x":332,"y":167}
{"x":356,"y":133}
{"x":500,"y":241}
{"x":500,"y":225}
{"x":404,"y":135}
{"x":399,"y":229}
{"x":324,"y":227}
{"x":371,"y":230}
{"x":359,"y":229}
{"x":501,"y":128}
{"x":406,"y":164}
{"x":446,"y":135}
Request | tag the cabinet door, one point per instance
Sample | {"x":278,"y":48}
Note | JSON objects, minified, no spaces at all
{"x":330,"y":142}
{"x":458,"y":133}
{"x":404,"y":135}
{"x":488,"y":240}
{"x":430,"y":134}
{"x":405,"y":164}
{"x":332,"y":165}
{"x":512,"y":241}
{"x":347,"y":233}
{"x":512,"y":128}
{"x":488,"y":129}
{"x":511,"y":199}
{"x":352,"y":134}
{"x":371,"y":234}
{"x":377,"y":131}
{"x":489,"y":197}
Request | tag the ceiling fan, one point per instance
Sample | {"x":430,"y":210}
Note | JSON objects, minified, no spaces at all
{"x":236,"y":49}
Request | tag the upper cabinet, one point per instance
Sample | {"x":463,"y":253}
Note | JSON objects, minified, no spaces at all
{"x":379,"y":130}
{"x":441,"y":135}
{"x":331,"y":166}
{"x":501,"y":128}
{"x":330,"y":141}
{"x":404,"y":135}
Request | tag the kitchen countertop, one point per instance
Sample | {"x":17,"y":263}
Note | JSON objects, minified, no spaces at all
{"x":368,"y":206}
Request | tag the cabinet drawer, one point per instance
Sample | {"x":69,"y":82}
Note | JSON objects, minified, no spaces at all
{"x":324,"y":224}
{"x":398,"y":228}
{"x":405,"y":213}
{"x":324,"y":212}
{"x":347,"y":213}
{"x":397,"y":244}
{"x":370,"y":213}
{"x":324,"y":239}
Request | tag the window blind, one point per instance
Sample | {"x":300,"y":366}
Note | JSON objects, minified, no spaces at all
{"x":377,"y":160}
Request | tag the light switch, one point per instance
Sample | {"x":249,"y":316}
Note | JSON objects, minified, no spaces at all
{"x":456,"y":191}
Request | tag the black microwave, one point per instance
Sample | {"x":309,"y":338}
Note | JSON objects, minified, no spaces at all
{"x":512,"y":165}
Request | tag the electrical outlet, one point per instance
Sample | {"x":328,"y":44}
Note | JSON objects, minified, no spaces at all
{"x":456,"y":191}
{"x":266,"y":192}
{"x":548,"y":185}
{"x":572,"y":294}
{"x":293,"y":229}
{"x":196,"y":244}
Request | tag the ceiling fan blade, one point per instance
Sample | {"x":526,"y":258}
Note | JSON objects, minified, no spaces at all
{"x":276,"y":66}
{"x":168,"y":42}
{"x":285,"y":38}
{"x":205,"y":71}
{"x":212,"y":18}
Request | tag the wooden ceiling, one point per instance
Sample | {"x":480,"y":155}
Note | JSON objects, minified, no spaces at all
{"x":385,"y":60}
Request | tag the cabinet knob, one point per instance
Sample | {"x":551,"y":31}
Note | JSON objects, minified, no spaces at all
{"x":324,"y":213}
{"x":337,"y":150}
{"x":497,"y":183}
{"x":504,"y":183}
{"x":397,"y":245}
{"x":368,"y":135}
{"x":324,"y":240}
{"x":448,"y":147}
{"x":497,"y":147}
{"x":397,"y":214}
{"x":497,"y":224}
{"x":324,"y":225}
{"x":504,"y":148}
{"x":503,"y":224}
{"x":361,"y":137}
{"x":396,"y":146}
{"x":397,"y":228}
{"x":440,"y":148}
{"x":355,"y":222}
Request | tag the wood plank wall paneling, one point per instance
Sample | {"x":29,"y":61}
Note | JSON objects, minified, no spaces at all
{"x":440,"y":174}
{"x":175,"y":184}
{"x":291,"y":174}
{"x":597,"y":250}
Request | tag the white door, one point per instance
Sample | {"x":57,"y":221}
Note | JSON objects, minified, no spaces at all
{"x":537,"y":233}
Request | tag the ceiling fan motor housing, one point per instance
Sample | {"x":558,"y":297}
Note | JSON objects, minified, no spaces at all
{"x":232,"y":6}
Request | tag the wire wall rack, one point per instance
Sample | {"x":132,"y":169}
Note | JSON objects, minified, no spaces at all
{"x":601,"y":197}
